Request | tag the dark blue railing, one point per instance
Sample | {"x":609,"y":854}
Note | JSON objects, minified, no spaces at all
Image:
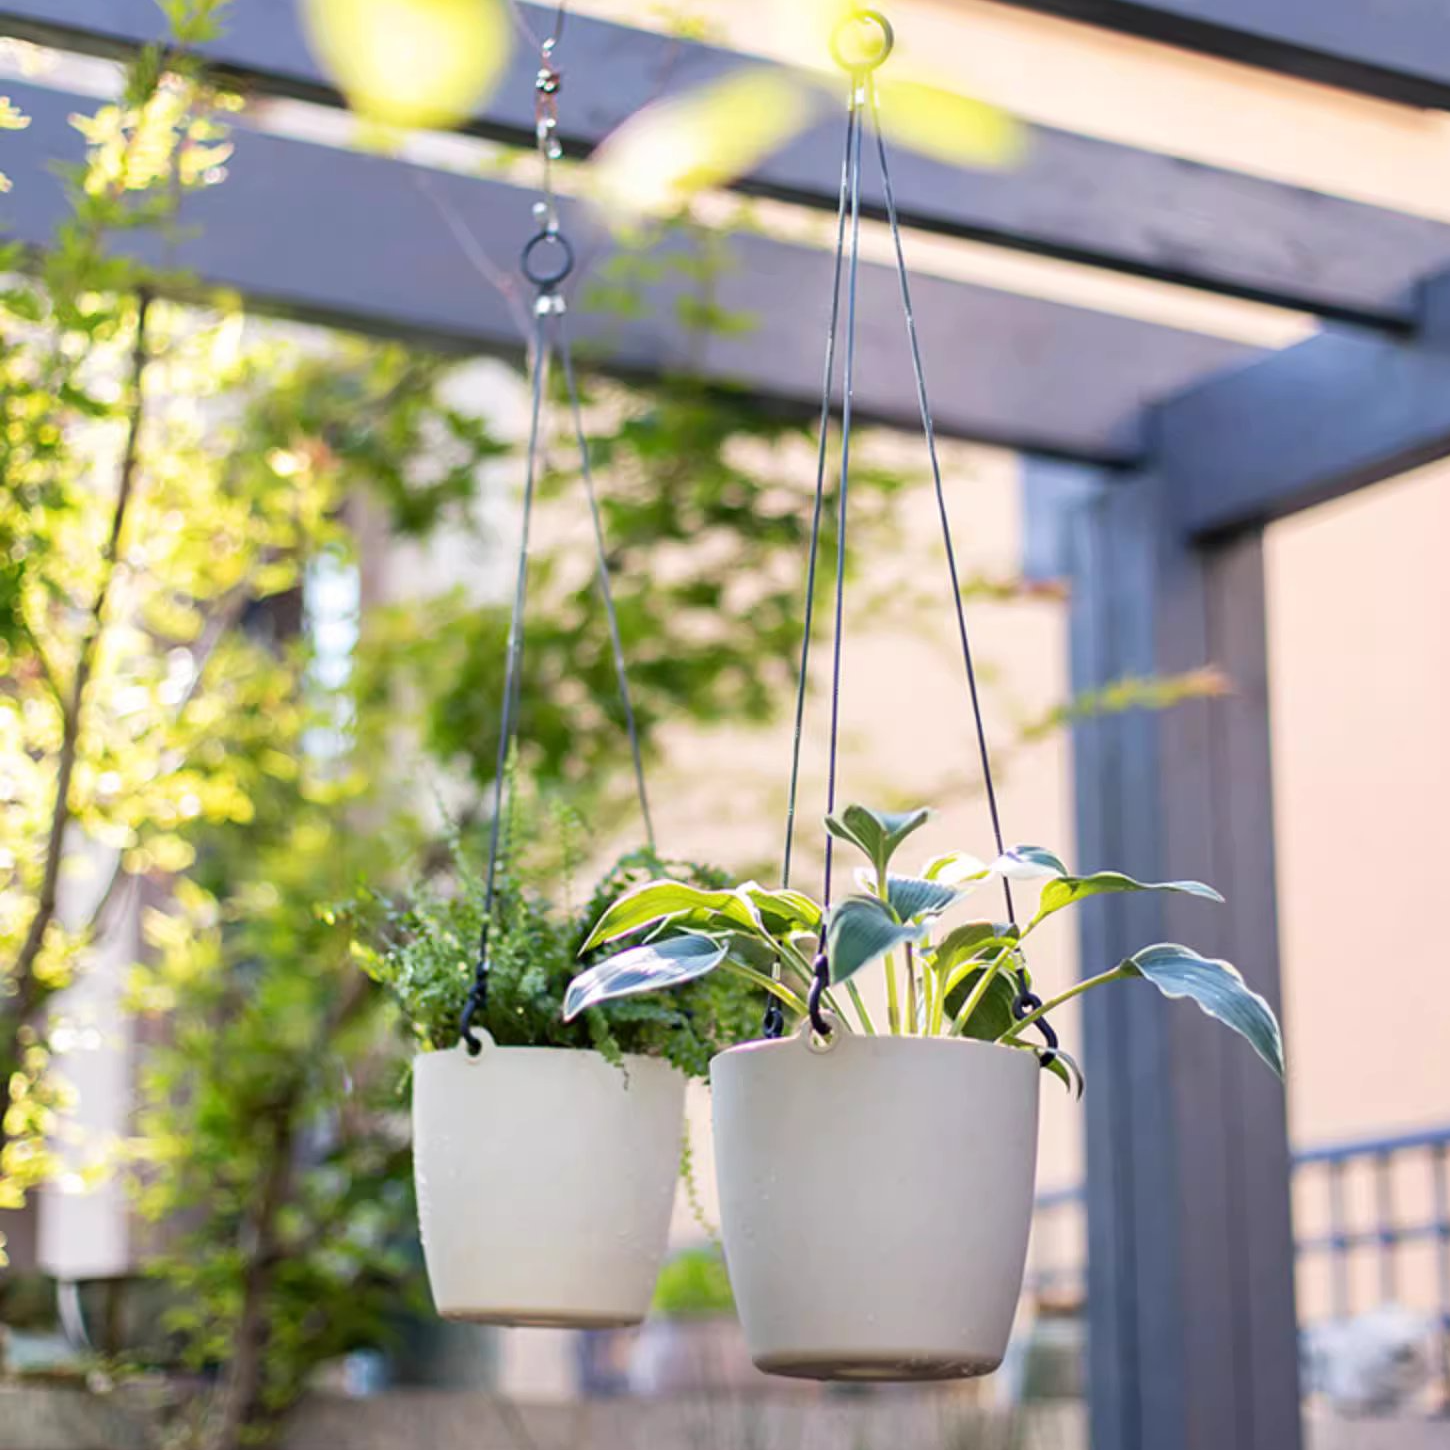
{"x":1058,"y":1256}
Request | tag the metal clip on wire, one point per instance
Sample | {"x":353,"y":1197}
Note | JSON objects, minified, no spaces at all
{"x":547,"y":257}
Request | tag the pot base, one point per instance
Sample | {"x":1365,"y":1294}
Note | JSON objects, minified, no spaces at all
{"x":867,"y":1369}
{"x":526,"y":1319}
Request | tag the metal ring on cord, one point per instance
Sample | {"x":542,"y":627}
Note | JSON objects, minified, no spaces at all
{"x":867,"y":60}
{"x":546,"y":279}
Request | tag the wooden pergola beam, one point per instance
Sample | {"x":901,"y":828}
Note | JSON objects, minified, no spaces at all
{"x":1398,"y":52}
{"x":1307,"y":424}
{"x":1073,"y":197}
{"x":368,"y":242}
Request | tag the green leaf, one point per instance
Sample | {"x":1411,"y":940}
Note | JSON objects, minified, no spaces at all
{"x":861,"y":930}
{"x":1218,"y":989}
{"x":1067,"y":890}
{"x":783,"y":912}
{"x":657,"y":900}
{"x":972,"y":939}
{"x":1027,"y":863}
{"x":876,"y":833}
{"x":911,"y":897}
{"x":992,"y":1017}
{"x":647,"y":968}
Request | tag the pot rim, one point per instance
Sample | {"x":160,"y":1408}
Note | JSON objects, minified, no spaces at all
{"x":517,"y":1048}
{"x":802,"y":1040}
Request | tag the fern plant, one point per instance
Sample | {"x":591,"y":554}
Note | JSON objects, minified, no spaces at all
{"x":423,"y":948}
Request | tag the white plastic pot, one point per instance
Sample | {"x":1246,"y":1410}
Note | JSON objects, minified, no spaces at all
{"x":875,"y":1200}
{"x":545,"y":1180}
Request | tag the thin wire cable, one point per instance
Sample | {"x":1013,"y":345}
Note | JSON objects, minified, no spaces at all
{"x":848,"y":376}
{"x":1026,"y":1001}
{"x":478,"y":997}
{"x":606,"y":590}
{"x":929,"y":428}
{"x":815,"y":549}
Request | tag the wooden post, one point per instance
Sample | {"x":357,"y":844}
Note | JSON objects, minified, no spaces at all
{"x":1193,"y":1338}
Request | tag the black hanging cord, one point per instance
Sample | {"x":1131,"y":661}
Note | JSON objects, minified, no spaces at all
{"x":1026,"y":1002}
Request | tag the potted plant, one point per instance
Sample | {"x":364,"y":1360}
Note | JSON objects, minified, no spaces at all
{"x":545,"y":1163}
{"x":876,"y":1177}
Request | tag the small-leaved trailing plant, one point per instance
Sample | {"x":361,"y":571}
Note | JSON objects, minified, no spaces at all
{"x":423,"y":951}
{"x":942,"y":980}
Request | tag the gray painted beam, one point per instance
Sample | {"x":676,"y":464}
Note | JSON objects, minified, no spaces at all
{"x":356,"y":240}
{"x":1399,"y":51}
{"x":1332,"y":414}
{"x":1192,"y":1334}
{"x":1073,"y":197}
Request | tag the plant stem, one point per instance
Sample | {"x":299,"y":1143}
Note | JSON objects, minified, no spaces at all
{"x":913,"y":1017}
{"x":893,"y":1006}
{"x":1117,"y":974}
{"x":855,"y":994}
{"x":768,"y":984}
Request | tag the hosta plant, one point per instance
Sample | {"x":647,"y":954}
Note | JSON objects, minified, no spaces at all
{"x":944,"y":975}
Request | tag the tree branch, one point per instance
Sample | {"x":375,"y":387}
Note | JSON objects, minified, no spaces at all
{"x":24,"y":999}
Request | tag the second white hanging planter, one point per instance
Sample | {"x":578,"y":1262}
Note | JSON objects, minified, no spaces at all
{"x":875,"y":1200}
{"x":545,"y":1179}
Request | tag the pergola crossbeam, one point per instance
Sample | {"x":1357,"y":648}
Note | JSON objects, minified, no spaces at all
{"x":1072,"y":197}
{"x":358,"y":240}
{"x":1399,"y":52}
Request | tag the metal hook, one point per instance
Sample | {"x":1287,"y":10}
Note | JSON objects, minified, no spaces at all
{"x":820,"y":979}
{"x":866,"y":60}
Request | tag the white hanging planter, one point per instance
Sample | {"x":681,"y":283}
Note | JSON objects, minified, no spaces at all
{"x":875,"y":1198}
{"x":545,"y":1180}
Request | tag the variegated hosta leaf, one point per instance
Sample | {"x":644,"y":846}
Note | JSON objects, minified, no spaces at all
{"x":861,"y":930}
{"x":783,"y":912}
{"x":1218,"y":989}
{"x":956,"y":868}
{"x":876,"y":833}
{"x":1064,"y":1067}
{"x":411,"y":62}
{"x":973,"y":939}
{"x":664,"y":154}
{"x":1028,"y":863}
{"x":913,"y":898}
{"x":647,"y":968}
{"x":1067,"y":890}
{"x":657,"y":900}
{"x":945,"y":124}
